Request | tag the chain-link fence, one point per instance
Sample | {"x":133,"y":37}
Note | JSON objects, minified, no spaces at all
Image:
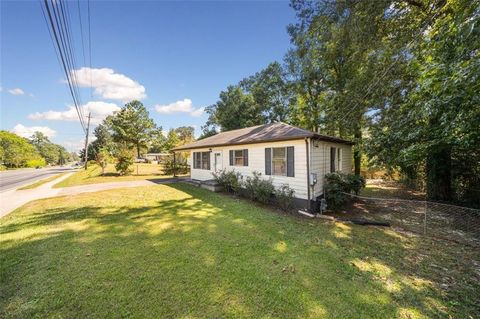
{"x":461,"y":224}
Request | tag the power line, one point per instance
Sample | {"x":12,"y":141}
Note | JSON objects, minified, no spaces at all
{"x":90,"y":48}
{"x":59,"y":41}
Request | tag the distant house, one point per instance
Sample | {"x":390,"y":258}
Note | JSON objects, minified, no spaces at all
{"x":288,"y":154}
{"x":157,"y":157}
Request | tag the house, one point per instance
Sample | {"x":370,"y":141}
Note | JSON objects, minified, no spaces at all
{"x":156,"y":158}
{"x":284,"y":153}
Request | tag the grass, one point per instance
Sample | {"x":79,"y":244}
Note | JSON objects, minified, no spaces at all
{"x":41,"y":182}
{"x":93,"y":175}
{"x":390,"y":189}
{"x":178,"y":251}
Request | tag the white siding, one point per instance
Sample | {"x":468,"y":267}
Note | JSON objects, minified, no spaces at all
{"x":256,"y":162}
{"x":321,"y":162}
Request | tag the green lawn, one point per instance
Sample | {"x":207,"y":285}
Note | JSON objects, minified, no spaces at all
{"x":93,"y":175}
{"x":177,"y":251}
{"x":41,"y":182}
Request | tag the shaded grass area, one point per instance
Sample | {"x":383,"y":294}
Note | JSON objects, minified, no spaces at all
{"x":181,"y":251}
{"x":390,"y":189}
{"x":93,"y":175}
{"x":41,"y":182}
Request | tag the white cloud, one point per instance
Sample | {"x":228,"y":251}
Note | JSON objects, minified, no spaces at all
{"x":25,"y":131}
{"x":181,"y":106}
{"x":110,"y":85}
{"x":16,"y":91}
{"x":100,"y":110}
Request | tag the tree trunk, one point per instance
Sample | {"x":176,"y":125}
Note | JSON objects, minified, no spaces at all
{"x":138,"y":150}
{"x":439,"y":176}
{"x":357,"y":154}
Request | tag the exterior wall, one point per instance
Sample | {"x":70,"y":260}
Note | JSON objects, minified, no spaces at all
{"x":319,"y":163}
{"x":320,"y":158}
{"x":256,"y":162}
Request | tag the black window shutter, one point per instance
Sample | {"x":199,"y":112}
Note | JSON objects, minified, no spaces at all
{"x":245,"y":157}
{"x":268,"y":161}
{"x":290,"y":161}
{"x":208,"y":160}
{"x":194,"y":159}
{"x":231,"y":157}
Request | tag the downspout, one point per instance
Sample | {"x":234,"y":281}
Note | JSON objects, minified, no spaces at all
{"x":308,"y":175}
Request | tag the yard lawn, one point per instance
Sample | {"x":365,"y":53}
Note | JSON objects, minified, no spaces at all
{"x":390,"y":189}
{"x":93,"y":175}
{"x":42,"y":181}
{"x":171,"y":251}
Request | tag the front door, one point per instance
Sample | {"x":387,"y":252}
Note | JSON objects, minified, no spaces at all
{"x":217,"y":161}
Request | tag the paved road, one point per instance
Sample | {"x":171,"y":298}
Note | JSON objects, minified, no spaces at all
{"x":17,"y":178}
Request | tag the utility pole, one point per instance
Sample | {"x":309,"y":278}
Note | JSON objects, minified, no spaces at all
{"x":86,"y":142}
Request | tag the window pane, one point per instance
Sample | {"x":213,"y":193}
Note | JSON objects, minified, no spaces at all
{"x":205,"y":160}
{"x":279,"y":167}
{"x":279,"y":153}
{"x":197,"y":160}
{"x":238,"y":161}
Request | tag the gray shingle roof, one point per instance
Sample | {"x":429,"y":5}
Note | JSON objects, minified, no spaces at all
{"x":259,"y":134}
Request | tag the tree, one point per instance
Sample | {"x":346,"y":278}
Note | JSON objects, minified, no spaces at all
{"x":157,"y":144}
{"x":172,"y":140}
{"x":132,"y":125}
{"x":49,"y":151}
{"x":124,"y":160}
{"x":102,"y":159}
{"x":185,"y":134}
{"x":434,"y":132}
{"x":235,"y":109}
{"x":271,"y":91}
{"x":16,"y":151}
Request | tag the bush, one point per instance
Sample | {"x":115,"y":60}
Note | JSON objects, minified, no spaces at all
{"x":284,"y":196}
{"x":337,"y":184}
{"x":102,"y":159}
{"x":259,"y":189}
{"x":36,"y":163}
{"x":230,"y":181}
{"x":124,"y":161}
{"x":169,"y":166}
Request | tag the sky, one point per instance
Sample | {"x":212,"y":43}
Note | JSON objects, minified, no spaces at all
{"x":175,"y":57}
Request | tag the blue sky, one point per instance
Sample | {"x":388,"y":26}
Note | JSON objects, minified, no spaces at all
{"x":174,"y":56}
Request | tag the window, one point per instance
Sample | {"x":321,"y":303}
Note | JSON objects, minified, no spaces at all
{"x":201,"y":160}
{"x":279,"y":161}
{"x":339,"y":159}
{"x":333,"y":154}
{"x":238,"y":157}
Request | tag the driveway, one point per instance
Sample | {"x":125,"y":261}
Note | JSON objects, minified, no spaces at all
{"x":13,"y":199}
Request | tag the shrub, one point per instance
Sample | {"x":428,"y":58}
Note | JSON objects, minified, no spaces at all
{"x":259,"y":189}
{"x":36,"y":163}
{"x":102,"y":159}
{"x":337,"y":184}
{"x":355,"y":183}
{"x":230,"y":181}
{"x":124,"y":161}
{"x":284,"y":196}
{"x":169,"y":166}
